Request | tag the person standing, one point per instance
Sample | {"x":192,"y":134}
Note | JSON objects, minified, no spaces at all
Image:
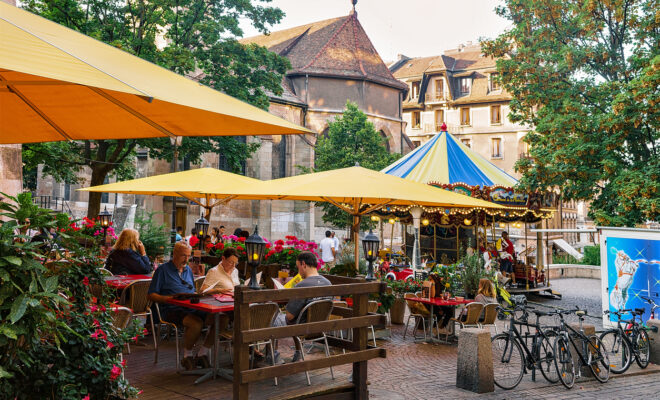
{"x":336,"y":240}
{"x":506,"y":253}
{"x":328,"y":251}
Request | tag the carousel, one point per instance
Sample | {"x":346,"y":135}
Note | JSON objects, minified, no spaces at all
{"x":443,"y":234}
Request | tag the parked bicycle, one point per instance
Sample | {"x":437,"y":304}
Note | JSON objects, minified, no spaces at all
{"x":588,"y":349}
{"x":623,"y":343}
{"x":512,"y":357}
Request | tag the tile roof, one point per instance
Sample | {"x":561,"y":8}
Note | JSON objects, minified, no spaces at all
{"x":464,"y":62}
{"x":333,"y":47}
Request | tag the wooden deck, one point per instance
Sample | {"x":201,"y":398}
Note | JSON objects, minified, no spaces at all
{"x":161,"y":381}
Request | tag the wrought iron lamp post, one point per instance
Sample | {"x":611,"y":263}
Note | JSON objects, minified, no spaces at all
{"x":255,"y":247}
{"x":104,"y":219}
{"x":202,"y":227}
{"x":370,"y":244}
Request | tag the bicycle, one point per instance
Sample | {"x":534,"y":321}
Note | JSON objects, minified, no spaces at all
{"x":512,"y":357}
{"x":621,"y":344}
{"x":650,"y":302}
{"x":589,"y":352}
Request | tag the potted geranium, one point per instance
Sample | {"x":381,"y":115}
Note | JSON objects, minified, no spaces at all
{"x":399,"y":289}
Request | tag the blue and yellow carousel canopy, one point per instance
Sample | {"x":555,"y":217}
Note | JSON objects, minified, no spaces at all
{"x":445,"y":160}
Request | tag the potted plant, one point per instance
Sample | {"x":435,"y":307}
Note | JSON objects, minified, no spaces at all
{"x":399,"y":288}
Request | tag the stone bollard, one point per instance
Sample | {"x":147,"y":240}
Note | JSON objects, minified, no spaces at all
{"x":474,"y":371}
{"x":654,"y":337}
{"x":588,"y":330}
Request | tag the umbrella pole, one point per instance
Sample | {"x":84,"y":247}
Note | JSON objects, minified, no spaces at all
{"x":356,"y":237}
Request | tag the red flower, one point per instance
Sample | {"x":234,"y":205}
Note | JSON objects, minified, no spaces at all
{"x":123,"y":363}
{"x":268,"y":245}
{"x":110,"y":345}
{"x":239,"y":248}
{"x":93,"y":308}
{"x":290,"y":251}
{"x":96,"y":323}
{"x":241,"y":239}
{"x":114,"y":372}
{"x":144,"y":332}
{"x":220,"y":246}
{"x":85,"y":281}
{"x":279,"y":242}
{"x":102,"y":308}
{"x":278,"y":248}
{"x":86,"y":397}
{"x":99,"y":334}
{"x":291,"y":237}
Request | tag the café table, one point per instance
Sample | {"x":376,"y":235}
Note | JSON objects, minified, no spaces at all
{"x":215,"y":305}
{"x":120,"y":282}
{"x":439,"y":302}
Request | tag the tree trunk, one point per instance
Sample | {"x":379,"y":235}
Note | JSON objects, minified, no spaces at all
{"x":94,"y":203}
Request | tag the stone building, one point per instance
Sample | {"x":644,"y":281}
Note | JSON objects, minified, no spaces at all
{"x":332,"y":61}
{"x":460,"y":88}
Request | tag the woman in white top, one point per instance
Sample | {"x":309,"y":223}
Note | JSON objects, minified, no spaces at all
{"x":222,"y":278}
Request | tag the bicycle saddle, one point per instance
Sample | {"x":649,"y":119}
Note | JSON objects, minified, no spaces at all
{"x":639,"y":311}
{"x":580,"y":313}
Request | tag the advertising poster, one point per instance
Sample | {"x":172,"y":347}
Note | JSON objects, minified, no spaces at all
{"x":630,"y":262}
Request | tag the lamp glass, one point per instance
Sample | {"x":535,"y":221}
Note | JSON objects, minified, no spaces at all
{"x":392,"y":220}
{"x":104,"y":217}
{"x":202,"y":226}
{"x":255,"y":247}
{"x":425,"y":222}
{"x":370,"y":244}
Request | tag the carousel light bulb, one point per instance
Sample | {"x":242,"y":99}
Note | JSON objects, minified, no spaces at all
{"x":392,"y":221}
{"x":375,"y":218}
{"x":467,"y":221}
{"x":502,"y":225}
{"x":425,"y":222}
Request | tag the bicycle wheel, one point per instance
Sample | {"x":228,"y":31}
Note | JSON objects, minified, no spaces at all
{"x":564,"y":362}
{"x":508,"y":361}
{"x":547,"y":358}
{"x":644,"y":349}
{"x":617,"y":349}
{"x":598,"y":359}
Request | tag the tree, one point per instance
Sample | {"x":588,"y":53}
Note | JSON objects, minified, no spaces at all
{"x":586,"y":75}
{"x":200,"y":39}
{"x":351,"y":139}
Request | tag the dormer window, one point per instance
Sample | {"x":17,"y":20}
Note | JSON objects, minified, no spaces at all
{"x":494,"y":82}
{"x":465,"y":84}
{"x":414,"y":90}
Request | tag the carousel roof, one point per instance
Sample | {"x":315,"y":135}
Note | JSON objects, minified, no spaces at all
{"x":445,"y":160}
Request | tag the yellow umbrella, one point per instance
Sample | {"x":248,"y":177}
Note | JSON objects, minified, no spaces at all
{"x":58,"y":84}
{"x":356,"y":190}
{"x":189,"y":184}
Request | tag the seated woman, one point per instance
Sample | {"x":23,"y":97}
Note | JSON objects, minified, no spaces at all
{"x":222,"y":278}
{"x":485,"y":295}
{"x":128,"y":256}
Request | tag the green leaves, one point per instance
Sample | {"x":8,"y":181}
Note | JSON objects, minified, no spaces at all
{"x":18,"y":308}
{"x":13,"y":260}
{"x":585,"y":75}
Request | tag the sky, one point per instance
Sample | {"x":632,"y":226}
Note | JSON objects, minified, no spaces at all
{"x":412,"y":27}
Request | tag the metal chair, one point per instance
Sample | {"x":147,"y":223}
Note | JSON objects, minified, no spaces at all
{"x":105,"y":272}
{"x":471,"y":318}
{"x":372,"y":307}
{"x":418,"y":316}
{"x":315,"y":311}
{"x":170,"y":325}
{"x":135,"y":297}
{"x":120,"y":319}
{"x":490,"y":316}
{"x":338,"y":303}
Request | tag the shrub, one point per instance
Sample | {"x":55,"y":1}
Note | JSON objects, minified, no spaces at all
{"x":591,"y":255}
{"x":155,"y":238}
{"x":56,"y":340}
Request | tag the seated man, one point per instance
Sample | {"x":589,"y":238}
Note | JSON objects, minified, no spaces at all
{"x":223,"y":277}
{"x":175,"y":277}
{"x":307,"y":268}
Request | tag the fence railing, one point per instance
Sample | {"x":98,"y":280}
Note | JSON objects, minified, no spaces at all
{"x":356,"y":318}
{"x":431,"y":97}
{"x":52,"y":203}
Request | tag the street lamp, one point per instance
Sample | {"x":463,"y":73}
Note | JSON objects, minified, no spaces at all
{"x":202,"y":228}
{"x":370,"y":244}
{"x":255,"y":247}
{"x":104,"y":219}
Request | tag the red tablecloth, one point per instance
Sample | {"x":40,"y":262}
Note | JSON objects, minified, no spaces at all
{"x":121,"y":281}
{"x":438,"y":301}
{"x":207,"y":304}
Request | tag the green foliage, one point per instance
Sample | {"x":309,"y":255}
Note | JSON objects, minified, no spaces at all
{"x":591,"y":255}
{"x":346,"y":258}
{"x":447,"y":278}
{"x":155,"y":238}
{"x":401,"y":287}
{"x":586,"y":75}
{"x":201,"y":36}
{"x":564,"y":259}
{"x":56,"y":340}
{"x":470,"y":271}
{"x":351,"y":139}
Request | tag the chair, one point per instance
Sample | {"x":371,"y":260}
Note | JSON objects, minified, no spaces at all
{"x":120,"y":319}
{"x":315,"y":311}
{"x":419,"y":313}
{"x":170,"y":325}
{"x":372,"y":307}
{"x":105,"y":272}
{"x":471,"y":318}
{"x":135,"y":297}
{"x":261,"y":316}
{"x":198,"y":283}
{"x":343,"y":304}
{"x":490,"y":316}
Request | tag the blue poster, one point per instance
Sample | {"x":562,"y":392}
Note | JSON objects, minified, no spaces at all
{"x":633,"y":270}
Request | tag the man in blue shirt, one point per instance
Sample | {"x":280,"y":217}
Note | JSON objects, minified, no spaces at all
{"x":174,"y":277}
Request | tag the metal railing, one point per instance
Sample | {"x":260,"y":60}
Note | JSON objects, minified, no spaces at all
{"x":432,"y":97}
{"x":52,"y":202}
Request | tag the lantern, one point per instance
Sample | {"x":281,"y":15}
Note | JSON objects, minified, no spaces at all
{"x":370,"y":244}
{"x":202,"y":227}
{"x":255,"y":247}
{"x":104,"y":218}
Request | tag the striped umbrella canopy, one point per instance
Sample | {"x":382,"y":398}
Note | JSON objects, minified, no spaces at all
{"x":445,"y":160}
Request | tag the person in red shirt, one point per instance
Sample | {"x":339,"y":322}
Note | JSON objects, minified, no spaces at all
{"x":507,"y":256}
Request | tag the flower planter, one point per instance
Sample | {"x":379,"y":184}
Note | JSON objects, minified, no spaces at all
{"x":397,"y":311}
